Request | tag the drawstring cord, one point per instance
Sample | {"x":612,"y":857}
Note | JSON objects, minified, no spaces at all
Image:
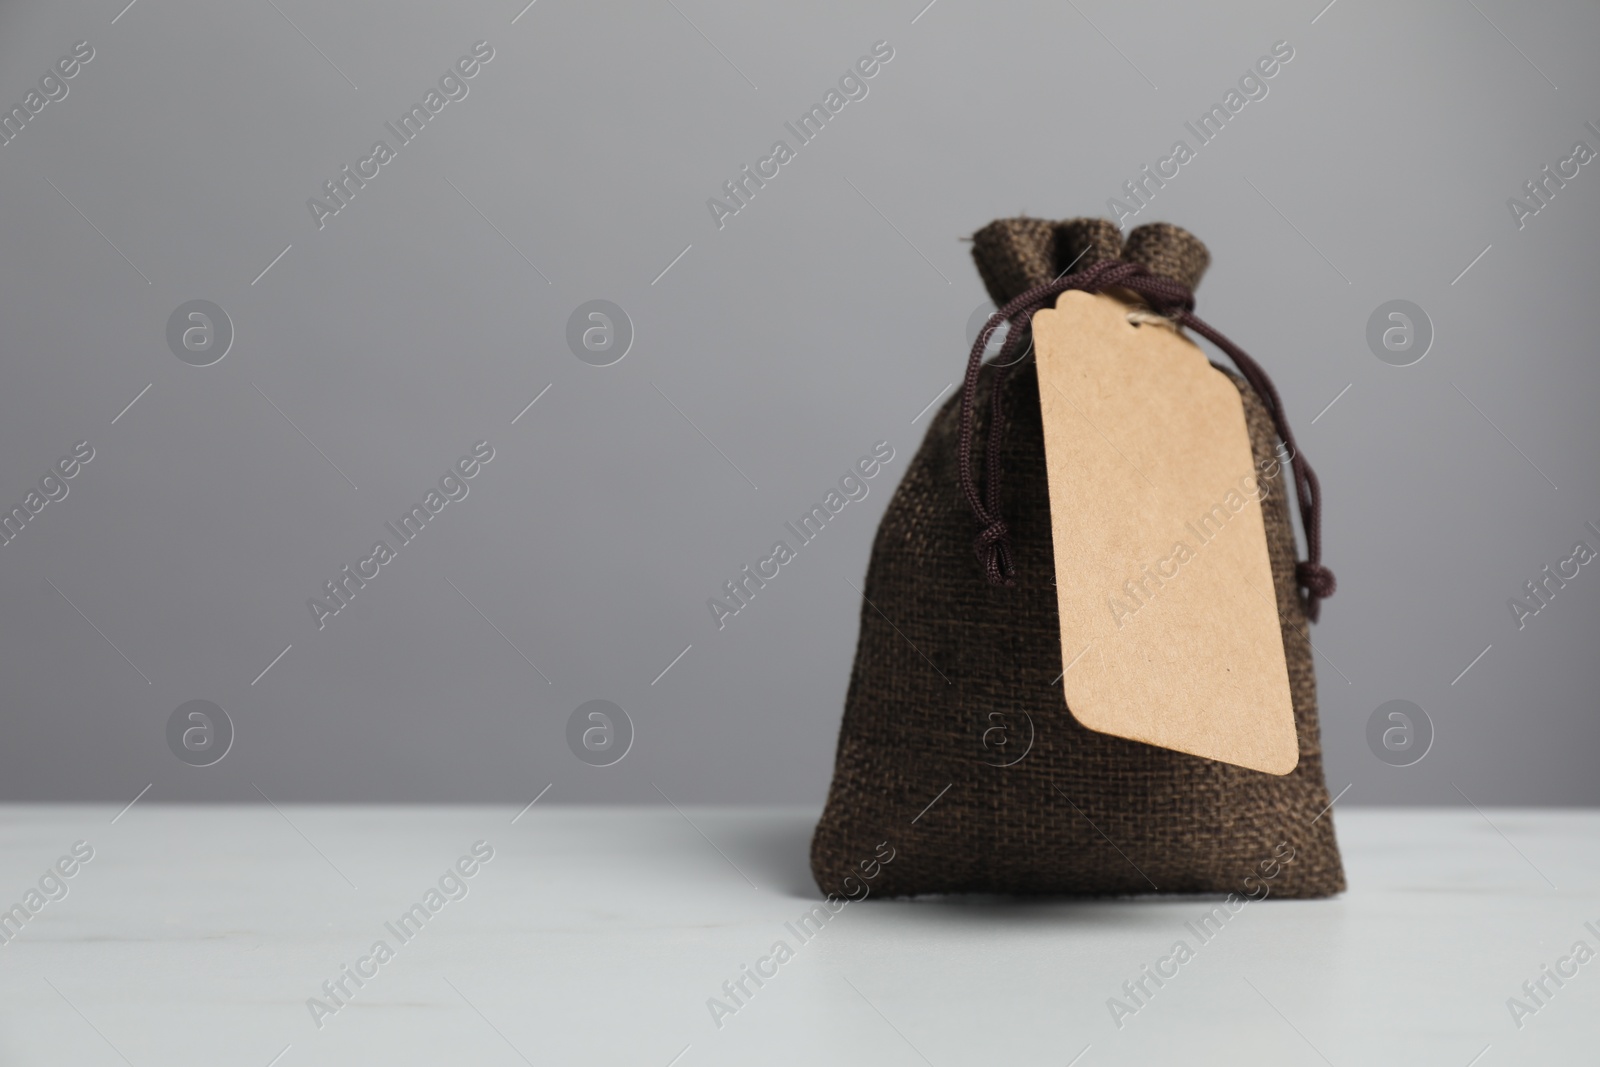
{"x":1176,"y":301}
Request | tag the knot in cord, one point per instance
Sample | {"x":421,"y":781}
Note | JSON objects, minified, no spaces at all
{"x":1318,"y":582}
{"x":992,"y":534}
{"x":993,"y":545}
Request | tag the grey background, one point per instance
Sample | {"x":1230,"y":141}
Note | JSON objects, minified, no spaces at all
{"x":808,"y":328}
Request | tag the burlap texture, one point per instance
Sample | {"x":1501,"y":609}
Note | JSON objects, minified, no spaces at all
{"x":944,"y":659}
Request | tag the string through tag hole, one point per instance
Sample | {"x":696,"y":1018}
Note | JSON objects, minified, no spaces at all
{"x":1138,"y":317}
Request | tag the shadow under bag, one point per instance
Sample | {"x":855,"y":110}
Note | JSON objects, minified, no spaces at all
{"x":946,"y":659}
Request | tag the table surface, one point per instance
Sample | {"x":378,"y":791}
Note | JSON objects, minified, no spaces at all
{"x":201,"y":935}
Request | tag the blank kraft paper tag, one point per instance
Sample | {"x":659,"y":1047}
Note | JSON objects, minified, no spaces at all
{"x":1169,"y":618}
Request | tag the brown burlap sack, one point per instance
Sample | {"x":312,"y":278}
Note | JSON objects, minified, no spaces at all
{"x":955,"y":677}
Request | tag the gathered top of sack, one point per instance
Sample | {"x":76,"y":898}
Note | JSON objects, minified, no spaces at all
{"x":1015,"y":255}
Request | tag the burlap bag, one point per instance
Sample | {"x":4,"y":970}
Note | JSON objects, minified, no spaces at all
{"x":945,"y":660}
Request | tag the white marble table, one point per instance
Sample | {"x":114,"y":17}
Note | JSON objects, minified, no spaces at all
{"x":197,"y":935}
